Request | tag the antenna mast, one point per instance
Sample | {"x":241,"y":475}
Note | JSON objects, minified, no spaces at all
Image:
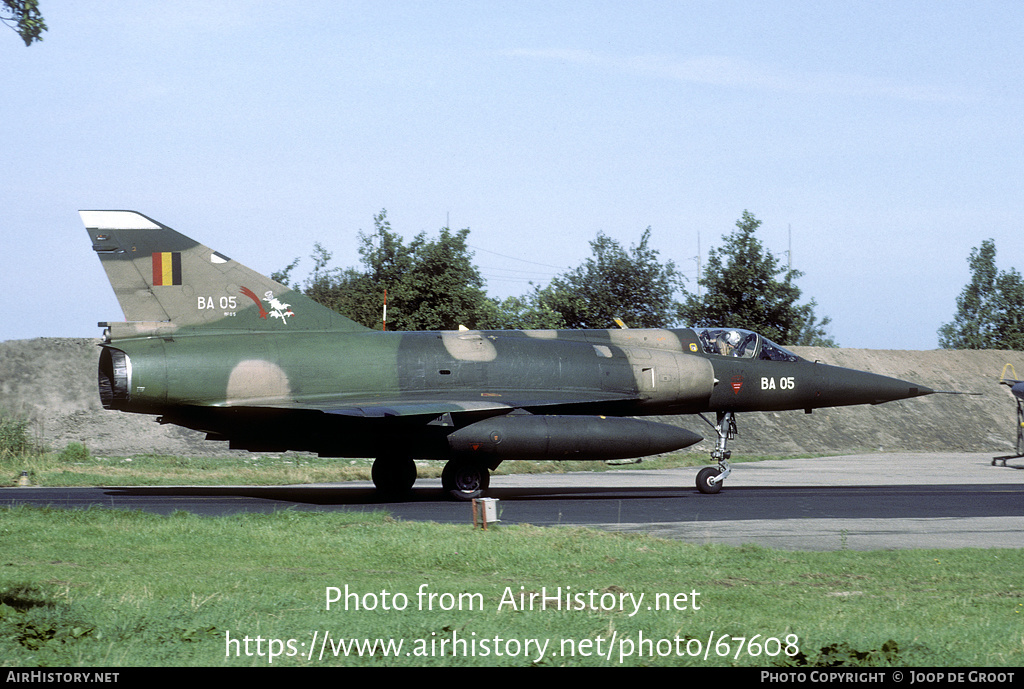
{"x":698,"y":264}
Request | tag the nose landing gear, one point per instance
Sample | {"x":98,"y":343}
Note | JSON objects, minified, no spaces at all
{"x":709,"y":479}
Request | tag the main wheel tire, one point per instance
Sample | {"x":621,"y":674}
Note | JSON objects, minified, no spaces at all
{"x":704,"y":484}
{"x":393,"y":474}
{"x":463,"y":479}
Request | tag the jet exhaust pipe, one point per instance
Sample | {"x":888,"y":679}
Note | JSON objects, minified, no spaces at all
{"x":539,"y":437}
{"x":114,"y":378}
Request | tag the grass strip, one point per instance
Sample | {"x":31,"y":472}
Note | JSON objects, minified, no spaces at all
{"x":108,"y":588}
{"x":75,"y":466}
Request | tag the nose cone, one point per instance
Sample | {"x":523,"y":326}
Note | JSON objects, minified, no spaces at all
{"x":843,"y":386}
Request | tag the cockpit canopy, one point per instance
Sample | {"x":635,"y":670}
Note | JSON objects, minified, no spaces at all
{"x":741,"y":343}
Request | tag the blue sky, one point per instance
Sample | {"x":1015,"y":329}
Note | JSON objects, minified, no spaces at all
{"x":884,"y":138}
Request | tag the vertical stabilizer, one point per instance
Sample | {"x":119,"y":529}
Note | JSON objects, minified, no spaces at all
{"x":165,"y":279}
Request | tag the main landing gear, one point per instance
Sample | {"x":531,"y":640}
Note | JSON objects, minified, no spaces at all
{"x":462,"y":479}
{"x":709,"y":479}
{"x":393,"y":474}
{"x":465,"y":479}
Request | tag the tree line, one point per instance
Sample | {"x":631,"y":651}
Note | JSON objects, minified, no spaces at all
{"x":990,"y":308}
{"x":433,"y":284}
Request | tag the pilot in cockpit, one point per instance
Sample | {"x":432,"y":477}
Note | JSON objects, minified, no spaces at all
{"x":727,"y":342}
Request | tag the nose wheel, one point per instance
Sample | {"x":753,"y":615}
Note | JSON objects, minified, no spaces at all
{"x":709,"y":479}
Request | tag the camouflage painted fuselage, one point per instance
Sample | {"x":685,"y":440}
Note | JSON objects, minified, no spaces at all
{"x":316,"y":390}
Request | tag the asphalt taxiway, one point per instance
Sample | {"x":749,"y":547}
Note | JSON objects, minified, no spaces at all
{"x":865,"y":502}
{"x":857,"y":502}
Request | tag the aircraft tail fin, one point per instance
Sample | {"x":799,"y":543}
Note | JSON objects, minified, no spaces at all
{"x":167,"y":281}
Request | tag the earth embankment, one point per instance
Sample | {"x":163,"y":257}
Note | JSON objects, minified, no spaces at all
{"x":52,"y":381}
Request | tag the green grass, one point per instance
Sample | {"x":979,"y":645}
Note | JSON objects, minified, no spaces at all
{"x":76,"y":466}
{"x":113,"y":588}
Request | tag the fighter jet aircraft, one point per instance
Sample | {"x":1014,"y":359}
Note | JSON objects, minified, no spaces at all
{"x":211,"y":345}
{"x":1017,"y":388}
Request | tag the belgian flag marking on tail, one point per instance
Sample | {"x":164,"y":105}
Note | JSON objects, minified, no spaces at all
{"x":166,"y":268}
